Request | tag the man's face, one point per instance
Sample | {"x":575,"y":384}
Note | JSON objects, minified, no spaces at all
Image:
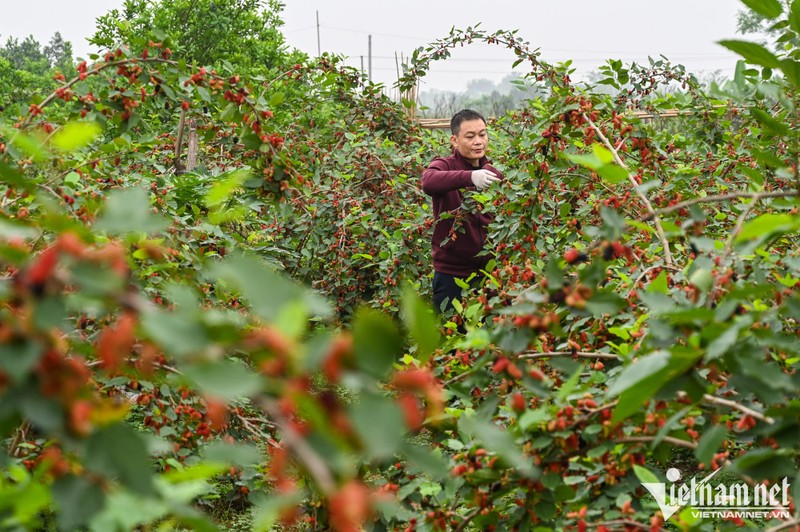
{"x":472,"y":140}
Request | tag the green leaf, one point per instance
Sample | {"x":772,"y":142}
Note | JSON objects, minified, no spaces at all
{"x":710,"y":442}
{"x":267,"y":291}
{"x":771,"y":123}
{"x":267,"y":509}
{"x":238,"y":454}
{"x":42,"y":412}
{"x":768,"y":8}
{"x":72,"y":178}
{"x":643,"y":368}
{"x":78,"y":501}
{"x":763,"y":463}
{"x":604,"y":303}
{"x":177,"y":333}
{"x":765,"y":225}
{"x":588,"y":161}
{"x":12,"y":176}
{"x":752,"y":52}
{"x":720,"y":345}
{"x":794,"y":16}
{"x":227,"y":379}
{"x":638,"y":383}
{"x":230,"y":113}
{"x":17,"y":359}
{"x":29,"y":145}
{"x":128,"y":211}
{"x":568,"y":386}
{"x":644,"y":475}
{"x":703,"y":279}
{"x":276,"y":99}
{"x":430,"y":489}
{"x":421,"y":323}
{"x":499,"y":441}
{"x":204,"y":94}
{"x":602,"y":153}
{"x":75,"y":135}
{"x":612,"y":173}
{"x":377,"y":342}
{"x":117,"y":514}
{"x":768,"y":158}
{"x":379,"y":422}
{"x":660,"y":284}
{"x":425,"y":462}
{"x":554,"y":274}
{"x":791,"y":69}
{"x":119,"y":451}
{"x":23,"y":499}
{"x":533,"y":418}
{"x":224,"y":188}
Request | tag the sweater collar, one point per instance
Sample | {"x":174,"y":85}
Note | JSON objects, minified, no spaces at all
{"x":483,"y":161}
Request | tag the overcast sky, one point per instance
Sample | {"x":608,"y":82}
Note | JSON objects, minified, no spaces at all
{"x":586,"y":31}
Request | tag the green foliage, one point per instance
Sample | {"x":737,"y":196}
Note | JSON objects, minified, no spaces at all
{"x":242,"y":33}
{"x":26,"y":68}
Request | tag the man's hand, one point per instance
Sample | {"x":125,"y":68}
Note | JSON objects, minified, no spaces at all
{"x":483,"y":179}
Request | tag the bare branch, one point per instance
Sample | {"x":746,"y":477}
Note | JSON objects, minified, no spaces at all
{"x":740,"y":407}
{"x":666,"y":439}
{"x":315,"y":464}
{"x":649,"y":206}
{"x":577,"y":354}
{"x":721,"y":198}
{"x":613,"y":525}
{"x":467,"y":519}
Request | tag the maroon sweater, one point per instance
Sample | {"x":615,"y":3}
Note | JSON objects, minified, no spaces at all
{"x":443,"y":180}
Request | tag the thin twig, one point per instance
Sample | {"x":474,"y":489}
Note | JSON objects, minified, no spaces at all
{"x":784,"y":526}
{"x":662,"y":236}
{"x":580,"y":420}
{"x":21,"y":433}
{"x":737,"y":229}
{"x":577,"y":354}
{"x":645,"y":272}
{"x":53,"y":95}
{"x":316,"y":466}
{"x":666,"y":439}
{"x":619,"y":522}
{"x":740,"y":407}
{"x":179,"y":167}
{"x":719,"y":198}
{"x":252,"y":429}
{"x":467,"y":519}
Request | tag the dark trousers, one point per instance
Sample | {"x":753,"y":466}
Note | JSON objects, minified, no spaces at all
{"x":445,"y":290}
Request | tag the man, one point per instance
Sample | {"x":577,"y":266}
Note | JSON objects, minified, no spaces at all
{"x":444,"y":180}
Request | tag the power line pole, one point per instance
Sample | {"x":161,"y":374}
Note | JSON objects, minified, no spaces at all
{"x":369,"y":61}
{"x":319,"y":49}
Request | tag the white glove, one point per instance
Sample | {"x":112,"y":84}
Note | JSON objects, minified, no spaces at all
{"x":483,"y":179}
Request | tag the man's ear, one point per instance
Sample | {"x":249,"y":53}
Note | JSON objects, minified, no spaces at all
{"x":453,"y":141}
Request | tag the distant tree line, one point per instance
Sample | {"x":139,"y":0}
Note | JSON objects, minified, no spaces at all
{"x":27,"y":67}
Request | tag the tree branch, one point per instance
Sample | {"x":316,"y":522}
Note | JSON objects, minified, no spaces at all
{"x":315,"y":465}
{"x":619,"y":522}
{"x":740,"y":407}
{"x":719,"y":198}
{"x":649,"y":206}
{"x":666,"y":439}
{"x":53,"y":95}
{"x":577,"y":354}
{"x":179,"y":167}
{"x":783,"y":526}
{"x":467,"y":519}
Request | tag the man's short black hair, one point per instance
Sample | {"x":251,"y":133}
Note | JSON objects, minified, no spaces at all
{"x":461,"y":116}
